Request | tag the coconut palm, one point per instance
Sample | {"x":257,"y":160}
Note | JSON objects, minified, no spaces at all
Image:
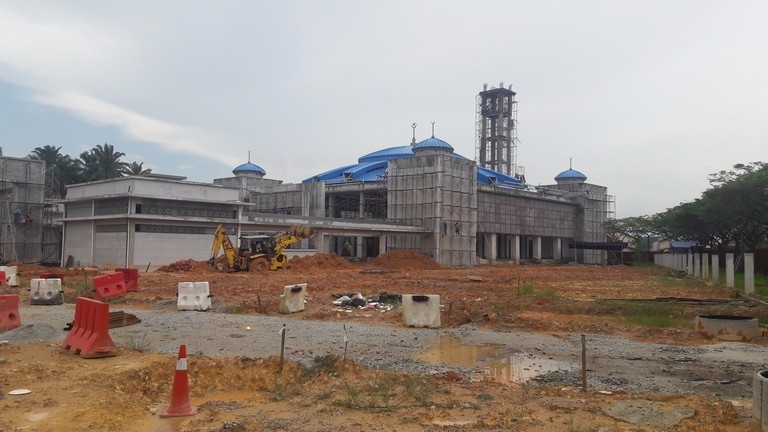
{"x":102,"y":162}
{"x":61,"y":170}
{"x":137,"y":169}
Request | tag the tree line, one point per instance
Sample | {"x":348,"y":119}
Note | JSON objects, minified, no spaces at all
{"x":734,"y":210}
{"x":98,"y":163}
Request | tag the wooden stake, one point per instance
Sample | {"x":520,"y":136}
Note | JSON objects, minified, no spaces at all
{"x":583,"y":363}
{"x":346,"y":341}
{"x":282,"y":347}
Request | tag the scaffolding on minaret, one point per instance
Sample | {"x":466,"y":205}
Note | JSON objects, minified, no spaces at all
{"x":496,"y":131}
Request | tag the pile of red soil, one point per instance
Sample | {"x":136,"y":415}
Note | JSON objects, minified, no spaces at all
{"x":404,"y":259}
{"x":319,"y":261}
{"x":188,"y":266}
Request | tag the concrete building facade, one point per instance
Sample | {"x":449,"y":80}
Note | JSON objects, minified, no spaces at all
{"x":421,"y":197}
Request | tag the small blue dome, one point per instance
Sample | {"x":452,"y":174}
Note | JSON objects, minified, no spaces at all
{"x":248,"y":167}
{"x":570,"y":174}
{"x":433,"y":143}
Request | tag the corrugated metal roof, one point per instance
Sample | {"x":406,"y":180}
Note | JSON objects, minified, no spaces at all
{"x":373,"y":166}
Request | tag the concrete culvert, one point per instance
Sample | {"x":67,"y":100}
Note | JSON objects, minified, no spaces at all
{"x":729,"y":327}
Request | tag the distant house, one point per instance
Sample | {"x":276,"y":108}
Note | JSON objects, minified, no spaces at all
{"x":683,"y":246}
{"x":661,"y":245}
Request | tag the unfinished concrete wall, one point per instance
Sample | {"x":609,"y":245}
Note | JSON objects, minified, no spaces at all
{"x":22,"y":190}
{"x":437,"y":192}
{"x":511,"y":211}
{"x":78,"y":243}
{"x":591,"y":217}
{"x":287,"y":199}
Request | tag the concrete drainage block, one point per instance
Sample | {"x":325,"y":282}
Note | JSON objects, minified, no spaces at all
{"x":729,"y":327}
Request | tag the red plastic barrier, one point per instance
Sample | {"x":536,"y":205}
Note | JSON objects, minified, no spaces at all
{"x":9,"y":312}
{"x":109,"y":286}
{"x":89,"y":336}
{"x":131,"y":278}
{"x":2,"y":277}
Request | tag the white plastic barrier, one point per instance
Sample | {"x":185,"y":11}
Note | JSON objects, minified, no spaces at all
{"x":293,"y":298}
{"x":11,"y":275}
{"x":46,"y":292}
{"x":421,"y":310}
{"x":193,"y":296}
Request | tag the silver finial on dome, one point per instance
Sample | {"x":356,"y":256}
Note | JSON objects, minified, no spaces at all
{"x":413,"y":126}
{"x":433,"y":129}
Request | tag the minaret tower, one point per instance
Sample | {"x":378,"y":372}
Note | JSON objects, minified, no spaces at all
{"x":496,"y":131}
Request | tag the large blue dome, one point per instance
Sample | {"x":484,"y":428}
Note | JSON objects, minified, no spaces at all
{"x":373,"y":166}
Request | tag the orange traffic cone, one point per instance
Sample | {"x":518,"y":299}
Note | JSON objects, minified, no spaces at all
{"x":180,"y":394}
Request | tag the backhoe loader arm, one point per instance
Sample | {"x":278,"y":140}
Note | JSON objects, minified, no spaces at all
{"x":221,"y":240}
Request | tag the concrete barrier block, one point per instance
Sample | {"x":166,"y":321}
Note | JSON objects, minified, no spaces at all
{"x":421,"y":310}
{"x":293,"y":298}
{"x":193,"y":296}
{"x":11,"y":275}
{"x":46,"y":292}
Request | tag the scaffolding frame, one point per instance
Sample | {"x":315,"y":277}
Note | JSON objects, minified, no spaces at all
{"x":496,"y":131}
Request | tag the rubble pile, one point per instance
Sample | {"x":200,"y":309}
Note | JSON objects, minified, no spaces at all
{"x":319,"y":261}
{"x":401,"y":259}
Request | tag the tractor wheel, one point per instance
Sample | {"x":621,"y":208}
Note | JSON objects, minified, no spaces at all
{"x":221,"y":264}
{"x":258,"y":265}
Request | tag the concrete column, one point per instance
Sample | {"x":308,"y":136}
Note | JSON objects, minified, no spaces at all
{"x":382,"y":244}
{"x":361,"y":206}
{"x":537,"y":247}
{"x":320,"y":243}
{"x":490,"y":247}
{"x":331,"y":206}
{"x":749,"y":273}
{"x":729,"y":277}
{"x":516,"y":248}
{"x":697,"y":265}
{"x":705,"y":266}
{"x":715,"y":269}
{"x":557,"y":248}
{"x":689,"y":263}
{"x":360,"y":240}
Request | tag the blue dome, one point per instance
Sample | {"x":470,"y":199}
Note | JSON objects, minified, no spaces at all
{"x":373,"y":166}
{"x":248,"y":167}
{"x":433,"y":143}
{"x":570,"y":174}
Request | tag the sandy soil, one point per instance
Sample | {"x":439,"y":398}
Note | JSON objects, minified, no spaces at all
{"x":238,"y":393}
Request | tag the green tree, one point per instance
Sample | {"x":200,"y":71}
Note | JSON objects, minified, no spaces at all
{"x":102,"y":162}
{"x":61,"y":170}
{"x":734,"y":209}
{"x":137,"y":169}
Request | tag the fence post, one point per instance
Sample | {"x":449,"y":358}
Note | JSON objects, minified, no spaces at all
{"x":749,"y":273}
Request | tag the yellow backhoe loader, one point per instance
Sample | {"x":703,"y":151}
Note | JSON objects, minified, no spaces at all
{"x":256,"y":253}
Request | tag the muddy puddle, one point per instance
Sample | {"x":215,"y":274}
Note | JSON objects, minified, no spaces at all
{"x":496,"y":362}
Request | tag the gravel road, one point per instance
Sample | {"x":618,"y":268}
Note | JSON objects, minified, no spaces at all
{"x":723,"y":370}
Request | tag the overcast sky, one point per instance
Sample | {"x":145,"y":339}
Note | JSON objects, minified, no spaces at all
{"x":647,"y":97}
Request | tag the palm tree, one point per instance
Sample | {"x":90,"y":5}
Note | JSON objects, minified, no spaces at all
{"x":136,"y":169}
{"x":61,"y":170}
{"x":102,"y":162}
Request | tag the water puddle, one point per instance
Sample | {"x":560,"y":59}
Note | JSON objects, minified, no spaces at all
{"x":496,"y":362}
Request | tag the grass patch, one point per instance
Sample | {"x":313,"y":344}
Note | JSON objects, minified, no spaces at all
{"x":140,"y":344}
{"x":388,"y":391}
{"x":646,"y":314}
